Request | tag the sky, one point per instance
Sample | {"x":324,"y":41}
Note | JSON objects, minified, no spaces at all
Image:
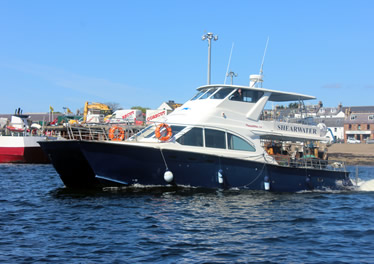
{"x":143,"y":53}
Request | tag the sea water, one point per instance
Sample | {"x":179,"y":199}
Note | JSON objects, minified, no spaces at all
{"x":43,"y":222}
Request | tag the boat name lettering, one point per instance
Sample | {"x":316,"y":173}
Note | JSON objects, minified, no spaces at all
{"x":128,"y":114}
{"x":156,"y":115}
{"x":297,"y":129}
{"x":255,"y":126}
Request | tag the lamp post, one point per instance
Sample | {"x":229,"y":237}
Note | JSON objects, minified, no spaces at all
{"x":232,"y":75}
{"x":209,"y":36}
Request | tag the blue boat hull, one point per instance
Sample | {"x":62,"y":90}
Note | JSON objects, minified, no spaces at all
{"x":69,"y":162}
{"x":134,"y":164}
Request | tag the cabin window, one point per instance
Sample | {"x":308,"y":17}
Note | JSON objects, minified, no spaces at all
{"x":215,"y":139}
{"x":176,"y":129}
{"x":200,"y":93}
{"x":252,"y":96}
{"x":194,"y":137}
{"x":249,"y":96}
{"x":236,"y":143}
{"x":143,"y":133}
{"x":222,"y":93}
{"x":208,"y":93}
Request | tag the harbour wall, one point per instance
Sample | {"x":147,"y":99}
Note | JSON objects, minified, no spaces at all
{"x":352,"y":154}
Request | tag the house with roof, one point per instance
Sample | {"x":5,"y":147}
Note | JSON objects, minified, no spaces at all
{"x":335,"y":128}
{"x":169,"y":106}
{"x":331,"y":112}
{"x":359,"y":123}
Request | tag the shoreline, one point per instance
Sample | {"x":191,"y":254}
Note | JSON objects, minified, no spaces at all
{"x":352,"y":154}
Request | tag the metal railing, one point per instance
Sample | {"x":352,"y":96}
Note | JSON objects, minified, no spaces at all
{"x":98,"y":132}
{"x":311,"y":163}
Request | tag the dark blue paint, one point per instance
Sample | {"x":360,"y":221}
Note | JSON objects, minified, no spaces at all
{"x":144,"y":165}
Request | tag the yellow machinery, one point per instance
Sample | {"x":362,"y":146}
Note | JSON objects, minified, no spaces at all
{"x":93,"y":113}
{"x":95,"y":110}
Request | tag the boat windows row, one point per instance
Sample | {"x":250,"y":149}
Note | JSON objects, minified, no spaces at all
{"x":200,"y":137}
{"x":212,"y":138}
{"x":239,"y":94}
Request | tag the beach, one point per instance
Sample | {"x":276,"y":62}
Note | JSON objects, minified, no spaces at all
{"x":352,"y":154}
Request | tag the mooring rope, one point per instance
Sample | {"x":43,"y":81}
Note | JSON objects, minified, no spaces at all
{"x":162,"y":154}
{"x":262,"y":169}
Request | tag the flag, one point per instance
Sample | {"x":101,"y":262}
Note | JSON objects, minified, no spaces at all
{"x":51,"y":108}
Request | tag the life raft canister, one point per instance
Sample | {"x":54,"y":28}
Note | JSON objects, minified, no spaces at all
{"x":116,"y":133}
{"x":168,"y":130}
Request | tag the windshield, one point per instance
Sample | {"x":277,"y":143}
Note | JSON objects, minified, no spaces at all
{"x":222,"y":93}
{"x":208,"y":93}
{"x":200,"y":93}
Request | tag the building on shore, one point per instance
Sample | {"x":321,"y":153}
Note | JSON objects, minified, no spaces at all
{"x":359,"y":123}
{"x":355,"y":122}
{"x":169,"y":106}
{"x":335,"y":127}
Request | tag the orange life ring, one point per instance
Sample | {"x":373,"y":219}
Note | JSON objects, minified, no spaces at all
{"x":270,"y":151}
{"x":116,"y":133}
{"x":168,"y":130}
{"x":12,"y":128}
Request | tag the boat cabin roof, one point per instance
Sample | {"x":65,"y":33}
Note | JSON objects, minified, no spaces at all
{"x":276,"y":96}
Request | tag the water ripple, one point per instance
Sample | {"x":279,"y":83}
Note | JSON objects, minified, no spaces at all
{"x":42,"y":222}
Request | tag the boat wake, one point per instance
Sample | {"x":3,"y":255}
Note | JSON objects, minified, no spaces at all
{"x":365,"y":186}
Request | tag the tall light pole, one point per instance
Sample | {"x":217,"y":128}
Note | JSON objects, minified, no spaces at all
{"x":209,"y":36}
{"x":232,"y":75}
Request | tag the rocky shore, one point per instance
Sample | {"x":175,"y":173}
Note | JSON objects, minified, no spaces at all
{"x":352,"y":154}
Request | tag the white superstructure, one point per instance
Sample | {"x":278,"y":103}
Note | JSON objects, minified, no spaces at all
{"x":219,"y":108}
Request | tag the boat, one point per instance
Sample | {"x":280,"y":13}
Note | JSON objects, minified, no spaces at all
{"x":222,"y":138}
{"x":19,"y":141}
{"x":68,"y":160}
{"x":70,"y":164}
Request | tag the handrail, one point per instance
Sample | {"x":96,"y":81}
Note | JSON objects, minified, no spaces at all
{"x":311,"y":163}
{"x":97,"y":133}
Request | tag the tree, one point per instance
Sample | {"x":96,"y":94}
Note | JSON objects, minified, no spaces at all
{"x":143,"y":109}
{"x":293,"y":105}
{"x":114,"y":106}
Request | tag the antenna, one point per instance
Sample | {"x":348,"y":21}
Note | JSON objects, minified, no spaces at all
{"x":228,"y":65}
{"x":232,"y":75}
{"x":254,"y":79}
{"x":263,"y":58}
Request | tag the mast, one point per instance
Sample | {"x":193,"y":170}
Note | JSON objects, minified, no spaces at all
{"x":209,"y":36}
